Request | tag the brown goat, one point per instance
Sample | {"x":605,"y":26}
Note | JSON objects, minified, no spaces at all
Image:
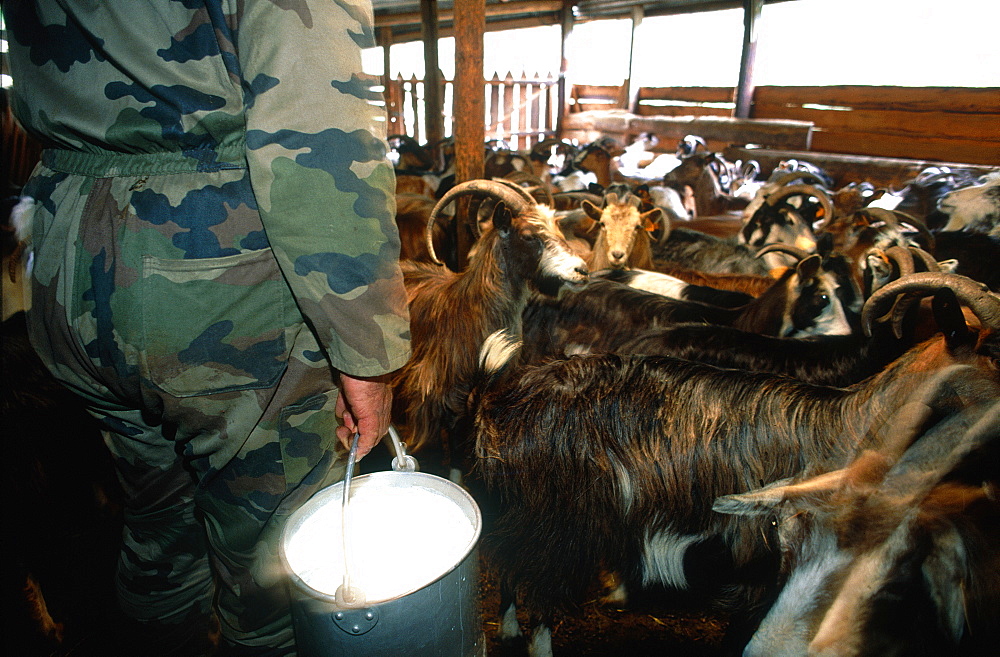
{"x":452,"y":313}
{"x":623,"y":235}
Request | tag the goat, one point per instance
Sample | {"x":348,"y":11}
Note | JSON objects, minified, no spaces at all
{"x":613,"y":461}
{"x":894,"y":554}
{"x":784,"y":213}
{"x":451,"y":313}
{"x":623,"y":232}
{"x":412,"y":213}
{"x":677,"y":288}
{"x":975,"y":208}
{"x":696,"y":171}
{"x":977,"y":254}
{"x":694,"y":249}
{"x":606,"y":314}
{"x":920,"y":196}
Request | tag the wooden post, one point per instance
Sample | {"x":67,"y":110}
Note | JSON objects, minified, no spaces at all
{"x":631,"y":91}
{"x":432,"y":73}
{"x":745,"y":87}
{"x":567,"y":30}
{"x":393,"y":111}
{"x":469,"y":104}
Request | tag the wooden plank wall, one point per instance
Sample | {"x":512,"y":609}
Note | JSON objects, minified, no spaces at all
{"x":684,"y":101}
{"x":925,"y":123}
{"x":941,"y":124}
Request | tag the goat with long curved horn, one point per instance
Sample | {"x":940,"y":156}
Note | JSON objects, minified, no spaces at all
{"x":973,"y":294}
{"x":514,"y":200}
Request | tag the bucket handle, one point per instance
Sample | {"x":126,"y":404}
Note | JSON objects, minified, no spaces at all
{"x":402,"y":462}
{"x":346,"y":595}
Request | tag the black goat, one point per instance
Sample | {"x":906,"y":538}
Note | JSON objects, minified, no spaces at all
{"x":804,"y":301}
{"x":613,"y":462}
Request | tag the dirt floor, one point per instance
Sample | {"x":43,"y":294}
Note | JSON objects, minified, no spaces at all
{"x":72,"y":560}
{"x":646,"y":630}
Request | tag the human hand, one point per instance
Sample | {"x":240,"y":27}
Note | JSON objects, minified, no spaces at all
{"x":364,"y":406}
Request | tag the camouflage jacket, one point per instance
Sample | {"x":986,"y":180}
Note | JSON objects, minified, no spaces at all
{"x":273,"y":87}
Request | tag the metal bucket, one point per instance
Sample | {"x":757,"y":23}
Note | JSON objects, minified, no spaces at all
{"x":432,"y":611}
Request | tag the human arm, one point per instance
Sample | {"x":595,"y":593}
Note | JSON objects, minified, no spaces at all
{"x":325,"y":190}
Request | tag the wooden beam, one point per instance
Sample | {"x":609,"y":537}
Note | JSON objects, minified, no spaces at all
{"x":448,"y":15}
{"x":631,"y":88}
{"x":566,"y":31}
{"x":744,"y":88}
{"x":433,"y":114}
{"x":469,"y":106}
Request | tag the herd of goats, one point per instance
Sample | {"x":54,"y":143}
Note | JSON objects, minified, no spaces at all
{"x":796,"y":418}
{"x":671,"y":374}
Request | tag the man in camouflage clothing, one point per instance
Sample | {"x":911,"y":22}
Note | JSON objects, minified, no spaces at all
{"x":214,"y":252}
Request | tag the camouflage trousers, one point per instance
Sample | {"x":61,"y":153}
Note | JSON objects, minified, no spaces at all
{"x":157,"y":299}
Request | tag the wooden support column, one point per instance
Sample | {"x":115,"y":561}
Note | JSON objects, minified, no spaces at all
{"x":563,"y":92}
{"x":469,"y":104}
{"x":432,"y":72}
{"x":745,"y":86}
{"x":631,"y":90}
{"x":394,"y":114}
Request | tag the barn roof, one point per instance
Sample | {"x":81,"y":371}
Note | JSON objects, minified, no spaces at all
{"x":402,"y":18}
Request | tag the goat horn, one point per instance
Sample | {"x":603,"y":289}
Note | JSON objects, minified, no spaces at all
{"x":929,"y":262}
{"x":581,"y":196}
{"x":481,"y":188}
{"x":778,"y":247}
{"x":805,"y":190}
{"x":520,"y":177}
{"x":513,"y":184}
{"x":919,"y":225}
{"x":807,"y":176}
{"x":973,"y":294}
{"x":903,"y":259}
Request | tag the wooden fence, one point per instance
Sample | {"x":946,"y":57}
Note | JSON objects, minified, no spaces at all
{"x":520,"y":111}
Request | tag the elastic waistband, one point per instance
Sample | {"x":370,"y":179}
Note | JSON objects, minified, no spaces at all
{"x":109,"y":165}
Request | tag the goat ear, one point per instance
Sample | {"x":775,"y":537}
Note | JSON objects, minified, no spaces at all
{"x":950,"y":318}
{"x":502,"y":217}
{"x":808,"y":267}
{"x":651,"y":219}
{"x":592,"y":210}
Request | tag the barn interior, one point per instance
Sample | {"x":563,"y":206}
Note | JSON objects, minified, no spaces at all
{"x":875,"y":141}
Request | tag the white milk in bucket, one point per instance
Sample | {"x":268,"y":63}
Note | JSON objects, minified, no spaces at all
{"x":399,"y":539}
{"x":411,"y":541}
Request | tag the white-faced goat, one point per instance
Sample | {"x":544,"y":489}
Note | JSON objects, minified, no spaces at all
{"x":896,"y":554}
{"x":452,"y":313}
{"x":783,"y":212}
{"x":612,"y":462}
{"x":976,"y":208}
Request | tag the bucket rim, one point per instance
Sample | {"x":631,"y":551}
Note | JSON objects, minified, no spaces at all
{"x":335,"y":492}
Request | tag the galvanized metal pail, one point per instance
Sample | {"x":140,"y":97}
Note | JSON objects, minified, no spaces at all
{"x":415,"y":560}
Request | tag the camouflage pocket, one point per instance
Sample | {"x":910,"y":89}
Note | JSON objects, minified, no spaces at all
{"x":214,"y":324}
